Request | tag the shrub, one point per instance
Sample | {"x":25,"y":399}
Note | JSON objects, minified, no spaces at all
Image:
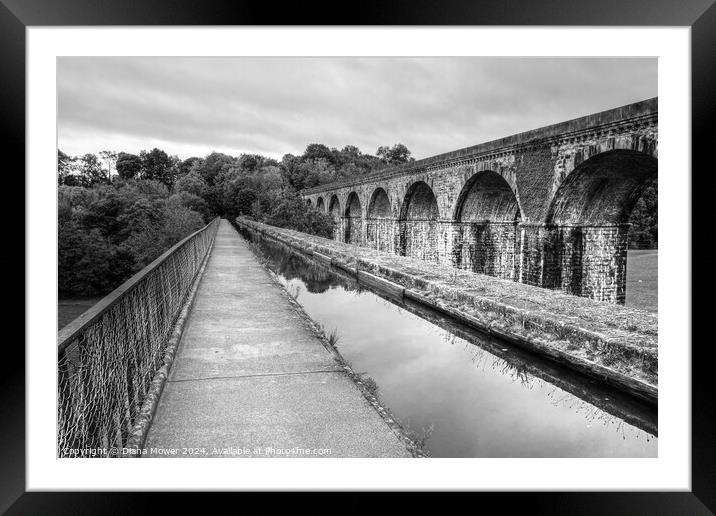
{"x":292,"y":212}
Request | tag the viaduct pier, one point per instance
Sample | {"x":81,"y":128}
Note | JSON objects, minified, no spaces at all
{"x":548,"y":207}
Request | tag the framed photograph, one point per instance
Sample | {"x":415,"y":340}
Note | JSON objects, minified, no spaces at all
{"x":433,"y":234}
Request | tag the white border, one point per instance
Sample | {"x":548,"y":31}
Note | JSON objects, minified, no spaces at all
{"x":670,"y":471}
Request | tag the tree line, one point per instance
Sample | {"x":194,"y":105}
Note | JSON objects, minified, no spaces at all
{"x":118,"y":211}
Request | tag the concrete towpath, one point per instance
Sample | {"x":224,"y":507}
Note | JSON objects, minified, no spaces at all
{"x":251,"y":379}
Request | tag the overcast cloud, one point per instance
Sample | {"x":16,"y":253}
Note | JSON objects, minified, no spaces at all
{"x":274,"y":106}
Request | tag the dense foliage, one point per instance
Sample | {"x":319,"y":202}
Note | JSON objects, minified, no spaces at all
{"x":108,"y":232}
{"x":644,"y":231}
{"x":293,"y":213}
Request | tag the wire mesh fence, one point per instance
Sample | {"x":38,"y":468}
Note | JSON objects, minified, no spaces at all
{"x":108,"y":356}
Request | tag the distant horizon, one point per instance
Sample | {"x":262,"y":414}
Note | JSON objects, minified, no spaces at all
{"x":190,"y":107}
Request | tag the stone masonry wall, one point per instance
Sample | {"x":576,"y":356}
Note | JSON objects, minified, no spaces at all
{"x":546,"y":207}
{"x":381,"y":234}
{"x":486,"y":248}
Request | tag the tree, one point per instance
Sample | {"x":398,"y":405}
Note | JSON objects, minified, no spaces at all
{"x":110,"y":157}
{"x":351,"y":151}
{"x":214,"y":163}
{"x":316,"y":151}
{"x":128,"y":165}
{"x":394,"y":155}
{"x":300,"y":174}
{"x":350,"y":170}
{"x":87,"y":263}
{"x":186,"y":166}
{"x":65,"y":167}
{"x":245,"y":200}
{"x":109,"y":231}
{"x":91,"y":169}
{"x":250,"y":162}
{"x":156,"y":164}
{"x":72,"y":200}
{"x":644,"y":219}
{"x":191,"y":183}
{"x":192,"y":202}
{"x":292,"y":212}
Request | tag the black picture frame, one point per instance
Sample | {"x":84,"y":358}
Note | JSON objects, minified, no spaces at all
{"x":700,"y":15}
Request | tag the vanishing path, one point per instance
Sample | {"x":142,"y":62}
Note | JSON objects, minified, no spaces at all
{"x":250,"y":375}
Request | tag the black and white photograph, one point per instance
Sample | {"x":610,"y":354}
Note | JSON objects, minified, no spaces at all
{"x":357,"y":257}
{"x":421,"y":252}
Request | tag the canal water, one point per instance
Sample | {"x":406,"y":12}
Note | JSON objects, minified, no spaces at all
{"x":466,"y":394}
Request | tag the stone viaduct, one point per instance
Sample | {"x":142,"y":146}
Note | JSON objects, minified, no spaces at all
{"x":548,"y":207}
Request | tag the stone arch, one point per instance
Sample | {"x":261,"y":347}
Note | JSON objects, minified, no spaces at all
{"x":485,"y":226}
{"x":487,"y":196}
{"x":418,"y":223}
{"x":380,"y":222}
{"x":320,"y":205}
{"x":603,"y":189}
{"x":588,"y":225}
{"x":379,"y":205}
{"x":419,"y":203}
{"x":334,"y":207}
{"x":308,"y":201}
{"x":353,"y":218}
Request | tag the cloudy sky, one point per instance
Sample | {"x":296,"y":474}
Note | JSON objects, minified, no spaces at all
{"x":274,"y":106}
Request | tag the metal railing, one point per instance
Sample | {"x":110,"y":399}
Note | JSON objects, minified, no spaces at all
{"x":107,"y":357}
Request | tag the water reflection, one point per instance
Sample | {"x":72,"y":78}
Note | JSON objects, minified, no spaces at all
{"x":291,"y":266}
{"x":481,"y":396}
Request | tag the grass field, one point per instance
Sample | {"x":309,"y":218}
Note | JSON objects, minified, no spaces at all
{"x":642,"y":279}
{"x":69,"y":309}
